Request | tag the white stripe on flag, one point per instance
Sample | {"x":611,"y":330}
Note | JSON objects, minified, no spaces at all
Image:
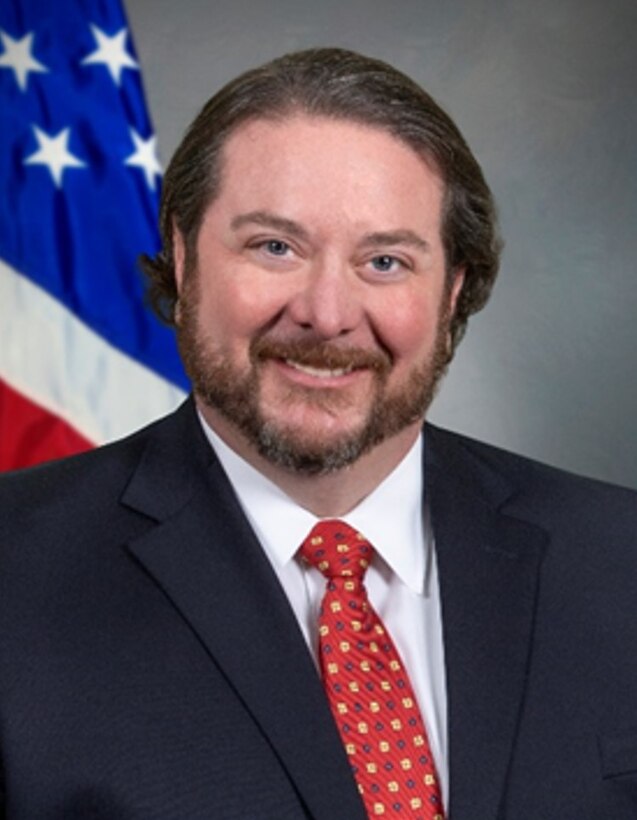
{"x":56,"y":360}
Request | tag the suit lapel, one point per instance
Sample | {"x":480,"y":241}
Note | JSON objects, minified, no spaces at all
{"x":204,"y":555}
{"x":488,"y":565}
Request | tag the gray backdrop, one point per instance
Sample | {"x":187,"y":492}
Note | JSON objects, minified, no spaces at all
{"x":544,"y":91}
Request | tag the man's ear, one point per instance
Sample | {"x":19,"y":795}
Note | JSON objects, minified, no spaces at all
{"x":456,"y":288}
{"x":179,"y":264}
{"x":179,"y":257}
{"x":454,"y":294}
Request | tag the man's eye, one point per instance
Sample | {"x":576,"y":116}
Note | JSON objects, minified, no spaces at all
{"x":385,"y":263}
{"x":276,"y":247}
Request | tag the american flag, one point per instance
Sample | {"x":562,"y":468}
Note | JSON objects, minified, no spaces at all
{"x":82,"y":360}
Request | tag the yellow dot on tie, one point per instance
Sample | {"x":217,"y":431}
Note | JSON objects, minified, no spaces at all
{"x":365,"y":666}
{"x":405,"y":764}
{"x":324,"y":630}
{"x":342,"y":708}
{"x":350,"y":748}
{"x":335,"y":606}
{"x":394,"y":666}
{"x":372,"y":768}
{"x":396,"y":725}
{"x":350,"y":586}
{"x":345,"y":646}
{"x":357,"y":626}
{"x":316,"y":541}
{"x":346,"y":573}
{"x":374,"y":705}
{"x":419,"y":740}
{"x":332,"y":668}
{"x":415,"y":803}
{"x":342,"y":548}
{"x":385,"y":685}
{"x":383,"y":746}
{"x":363,"y":728}
{"x":379,"y":629}
{"x":361,"y":790}
{"x":438,"y":817}
{"x":379,"y":808}
{"x":392,"y":786}
{"x":353,"y":686}
{"x":408,"y":703}
{"x":363,"y":563}
{"x":429,"y":780}
{"x":373,"y":646}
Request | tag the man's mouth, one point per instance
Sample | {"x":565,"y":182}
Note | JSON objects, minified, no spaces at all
{"x":320,"y":359}
{"x":319,"y":372}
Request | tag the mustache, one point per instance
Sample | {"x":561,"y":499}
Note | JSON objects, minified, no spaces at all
{"x":321,"y":354}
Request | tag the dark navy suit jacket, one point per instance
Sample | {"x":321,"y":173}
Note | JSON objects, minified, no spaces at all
{"x":151,"y":667}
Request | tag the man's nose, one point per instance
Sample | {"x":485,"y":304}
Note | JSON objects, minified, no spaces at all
{"x":329,"y":300}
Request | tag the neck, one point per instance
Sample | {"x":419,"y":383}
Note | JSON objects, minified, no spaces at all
{"x":326,"y":496}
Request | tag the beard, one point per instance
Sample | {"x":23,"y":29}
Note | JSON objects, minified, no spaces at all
{"x":236,"y":392}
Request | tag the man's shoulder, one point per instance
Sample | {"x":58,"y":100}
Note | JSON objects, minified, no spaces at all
{"x":88,"y":486}
{"x":106,"y":464}
{"x":531,"y":483}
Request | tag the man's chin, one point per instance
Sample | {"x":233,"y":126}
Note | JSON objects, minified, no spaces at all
{"x":310,"y":454}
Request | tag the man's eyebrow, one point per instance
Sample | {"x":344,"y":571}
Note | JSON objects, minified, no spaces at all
{"x":400,"y":237}
{"x":266,"y":219}
{"x":270,"y":220}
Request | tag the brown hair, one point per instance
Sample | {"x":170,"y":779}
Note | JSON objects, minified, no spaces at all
{"x":338,"y":84}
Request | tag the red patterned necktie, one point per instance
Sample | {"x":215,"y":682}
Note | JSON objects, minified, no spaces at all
{"x":367,"y":687}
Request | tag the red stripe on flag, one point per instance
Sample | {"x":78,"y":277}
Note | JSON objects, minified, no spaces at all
{"x":30,"y":434}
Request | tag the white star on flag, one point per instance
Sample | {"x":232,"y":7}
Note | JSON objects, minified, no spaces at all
{"x":111,"y":52}
{"x":145,"y":157}
{"x":54,"y":153}
{"x":19,"y":57}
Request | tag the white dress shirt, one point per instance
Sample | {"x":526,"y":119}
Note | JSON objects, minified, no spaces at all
{"x":402,"y":582}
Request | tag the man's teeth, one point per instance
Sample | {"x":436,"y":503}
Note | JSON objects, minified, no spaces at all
{"x":319,"y":372}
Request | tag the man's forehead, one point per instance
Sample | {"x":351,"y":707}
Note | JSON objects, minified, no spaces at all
{"x":274,"y":143}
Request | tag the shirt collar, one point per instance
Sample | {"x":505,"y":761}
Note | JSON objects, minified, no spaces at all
{"x":391,"y":517}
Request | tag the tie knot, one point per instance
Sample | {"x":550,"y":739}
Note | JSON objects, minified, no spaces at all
{"x":337,"y":550}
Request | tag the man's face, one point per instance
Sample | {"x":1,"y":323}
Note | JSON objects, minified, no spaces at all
{"x":314,"y":322}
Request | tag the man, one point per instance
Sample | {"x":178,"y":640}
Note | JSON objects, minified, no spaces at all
{"x":169,"y":645}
